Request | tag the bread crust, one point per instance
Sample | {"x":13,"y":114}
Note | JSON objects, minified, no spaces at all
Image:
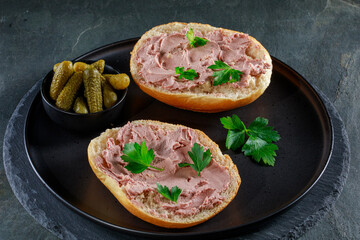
{"x":98,"y":144}
{"x":201,"y":102}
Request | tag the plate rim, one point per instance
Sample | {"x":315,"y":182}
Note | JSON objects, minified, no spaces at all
{"x":296,"y":198}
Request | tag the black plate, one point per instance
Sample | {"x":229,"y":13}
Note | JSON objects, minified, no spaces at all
{"x":293,"y":107}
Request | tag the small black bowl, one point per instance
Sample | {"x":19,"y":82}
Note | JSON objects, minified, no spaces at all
{"x":81,"y":122}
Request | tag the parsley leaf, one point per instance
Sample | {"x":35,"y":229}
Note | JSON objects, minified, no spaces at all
{"x":235,"y":139}
{"x":172,"y":195}
{"x":189,"y":74}
{"x":232,"y":123}
{"x":195,"y":41}
{"x":200,"y":158}
{"x":236,"y":134}
{"x":224,"y":75}
{"x":259,"y":128}
{"x":138,"y":157}
{"x":259,"y":144}
{"x":260,"y":149}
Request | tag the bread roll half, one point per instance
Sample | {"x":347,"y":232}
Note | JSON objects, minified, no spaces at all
{"x":233,"y":48}
{"x":149,"y":205}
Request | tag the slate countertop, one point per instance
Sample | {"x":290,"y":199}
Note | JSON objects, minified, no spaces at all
{"x":319,"y":39}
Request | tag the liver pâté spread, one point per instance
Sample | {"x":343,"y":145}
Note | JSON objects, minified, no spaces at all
{"x":161,"y":54}
{"x":170,"y":149}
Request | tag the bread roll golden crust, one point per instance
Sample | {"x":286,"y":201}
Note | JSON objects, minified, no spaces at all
{"x":98,"y":144}
{"x":224,"y":97}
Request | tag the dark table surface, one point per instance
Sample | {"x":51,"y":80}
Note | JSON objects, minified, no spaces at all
{"x":319,"y":39}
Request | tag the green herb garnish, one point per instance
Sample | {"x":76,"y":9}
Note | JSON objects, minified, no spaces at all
{"x":224,"y":75}
{"x":189,"y":74}
{"x":195,"y":41}
{"x":200,"y":158}
{"x":172,"y":195}
{"x":138,"y":157}
{"x":259,"y":144}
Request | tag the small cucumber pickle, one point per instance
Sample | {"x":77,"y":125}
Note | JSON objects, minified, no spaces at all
{"x":83,"y":88}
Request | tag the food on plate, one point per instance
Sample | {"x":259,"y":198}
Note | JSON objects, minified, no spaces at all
{"x":81,"y":66}
{"x":68,"y":81}
{"x":92,"y":84}
{"x":169,"y":175}
{"x":80,"y":106}
{"x":118,"y":81}
{"x":99,"y":65}
{"x":109,"y":95}
{"x":61,"y":75}
{"x":66,"y":97}
{"x":259,"y":144}
{"x":199,"y":67}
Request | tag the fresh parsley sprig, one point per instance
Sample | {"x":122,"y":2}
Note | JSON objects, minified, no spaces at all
{"x":200,"y":158}
{"x":189,"y":74}
{"x":138,"y":157}
{"x":259,"y":144}
{"x":172,"y":195}
{"x":195,"y":41}
{"x":224,"y":75}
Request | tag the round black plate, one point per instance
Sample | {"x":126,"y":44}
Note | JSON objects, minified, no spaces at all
{"x":294,"y":109}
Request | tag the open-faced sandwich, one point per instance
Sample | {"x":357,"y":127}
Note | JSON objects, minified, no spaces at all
{"x":168,"y":175}
{"x":199,"y":67}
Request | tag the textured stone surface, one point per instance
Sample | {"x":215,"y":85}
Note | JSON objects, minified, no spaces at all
{"x":319,"y":39}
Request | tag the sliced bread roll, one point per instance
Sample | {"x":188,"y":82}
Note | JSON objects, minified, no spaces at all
{"x":159,"y":50}
{"x":202,"y":196}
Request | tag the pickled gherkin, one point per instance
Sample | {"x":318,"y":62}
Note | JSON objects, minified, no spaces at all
{"x":103,"y":80}
{"x":99,"y":65}
{"x":109,"y":95}
{"x":92,"y":84}
{"x":84,"y":90}
{"x":67,"y":95}
{"x":61,"y":75}
{"x":81,"y":66}
{"x":55,"y":66}
{"x":118,"y":81}
{"x":80,"y":106}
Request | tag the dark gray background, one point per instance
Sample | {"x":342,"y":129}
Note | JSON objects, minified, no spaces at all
{"x":319,"y":39}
